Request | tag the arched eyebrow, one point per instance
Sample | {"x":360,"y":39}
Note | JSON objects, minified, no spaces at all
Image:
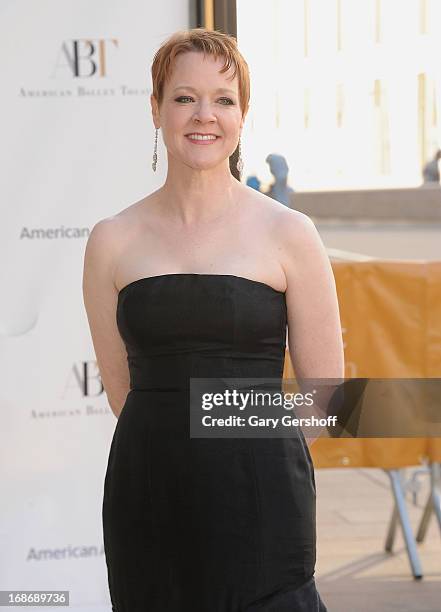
{"x":218,"y":90}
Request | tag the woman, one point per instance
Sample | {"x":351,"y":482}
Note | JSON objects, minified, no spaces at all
{"x":200,"y":279}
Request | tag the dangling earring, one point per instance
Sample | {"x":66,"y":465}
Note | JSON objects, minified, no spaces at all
{"x":155,"y":152}
{"x":239,"y":164}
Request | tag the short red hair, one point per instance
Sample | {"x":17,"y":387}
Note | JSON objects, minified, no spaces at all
{"x":208,"y":42}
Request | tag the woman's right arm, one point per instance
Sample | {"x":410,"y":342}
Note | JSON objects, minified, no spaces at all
{"x":100,"y":300}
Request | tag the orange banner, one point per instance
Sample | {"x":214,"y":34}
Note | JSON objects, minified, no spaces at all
{"x":391,"y":323}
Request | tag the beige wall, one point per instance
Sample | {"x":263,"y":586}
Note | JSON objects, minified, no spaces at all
{"x":418,"y":204}
{"x":385,"y":223}
{"x":387,"y":240}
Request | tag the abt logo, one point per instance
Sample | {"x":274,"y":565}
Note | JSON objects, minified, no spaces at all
{"x":85,"y":378}
{"x":85,"y":57}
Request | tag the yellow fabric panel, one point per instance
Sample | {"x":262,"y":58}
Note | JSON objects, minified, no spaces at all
{"x":391,"y":323}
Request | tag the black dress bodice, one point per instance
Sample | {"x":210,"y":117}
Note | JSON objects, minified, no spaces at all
{"x":177,"y":326}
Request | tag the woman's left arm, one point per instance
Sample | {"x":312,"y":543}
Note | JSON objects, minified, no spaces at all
{"x":314,"y":330}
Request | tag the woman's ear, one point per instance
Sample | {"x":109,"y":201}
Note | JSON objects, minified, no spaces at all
{"x":155,"y":110}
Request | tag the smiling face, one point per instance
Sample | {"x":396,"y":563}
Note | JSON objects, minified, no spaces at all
{"x":198,"y":99}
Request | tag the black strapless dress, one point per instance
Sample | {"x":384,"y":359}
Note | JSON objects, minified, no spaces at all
{"x":198,"y":524}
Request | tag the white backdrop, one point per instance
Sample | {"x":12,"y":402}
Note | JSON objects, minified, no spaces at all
{"x":76,"y":146}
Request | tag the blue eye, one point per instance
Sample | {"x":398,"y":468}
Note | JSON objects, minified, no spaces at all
{"x":190,"y":98}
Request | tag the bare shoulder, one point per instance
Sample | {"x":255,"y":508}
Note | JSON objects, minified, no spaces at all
{"x":110,"y":235}
{"x":294,"y":232}
{"x":116,"y":225}
{"x":104,"y":232}
{"x":102,"y":244}
{"x":278,"y":215}
{"x":300,"y":242}
{"x":295,"y":225}
{"x":301,"y":251}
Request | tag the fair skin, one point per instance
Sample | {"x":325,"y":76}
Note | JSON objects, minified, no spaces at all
{"x":202,"y":220}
